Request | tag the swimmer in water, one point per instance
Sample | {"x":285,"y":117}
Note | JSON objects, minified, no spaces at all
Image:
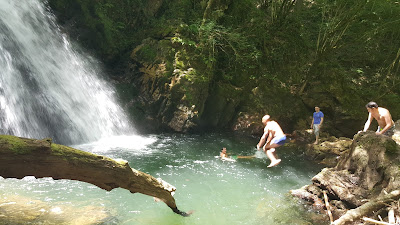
{"x":223,"y":153}
{"x":224,"y":156}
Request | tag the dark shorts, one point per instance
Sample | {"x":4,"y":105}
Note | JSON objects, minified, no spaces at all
{"x":389,"y":132}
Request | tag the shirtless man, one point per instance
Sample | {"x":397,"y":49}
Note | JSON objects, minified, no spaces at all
{"x":382,"y":116}
{"x":272,"y":138}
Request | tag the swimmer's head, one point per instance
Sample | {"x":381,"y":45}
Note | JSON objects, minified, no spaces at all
{"x":223,"y":149}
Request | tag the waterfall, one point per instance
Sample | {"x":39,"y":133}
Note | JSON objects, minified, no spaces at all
{"x":47,"y":88}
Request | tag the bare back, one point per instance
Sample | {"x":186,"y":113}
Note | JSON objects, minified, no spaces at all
{"x":274,"y":128}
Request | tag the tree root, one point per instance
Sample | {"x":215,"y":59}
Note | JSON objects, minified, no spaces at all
{"x":357,"y":213}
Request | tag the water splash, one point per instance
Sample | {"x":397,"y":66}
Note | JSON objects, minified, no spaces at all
{"x":134,"y":144}
{"x":48,"y":89}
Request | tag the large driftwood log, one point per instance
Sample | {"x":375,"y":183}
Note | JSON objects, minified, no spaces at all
{"x":20,"y":157}
{"x":367,"y":208}
{"x":366,"y":219}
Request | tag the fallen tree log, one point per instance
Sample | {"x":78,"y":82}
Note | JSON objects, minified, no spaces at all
{"x":366,"y":219}
{"x":363,"y":210}
{"x":20,"y":157}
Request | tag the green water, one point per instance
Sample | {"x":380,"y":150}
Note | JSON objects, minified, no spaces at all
{"x":219,"y":192}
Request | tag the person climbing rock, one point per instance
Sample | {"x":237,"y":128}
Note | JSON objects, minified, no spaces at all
{"x":382,"y":116}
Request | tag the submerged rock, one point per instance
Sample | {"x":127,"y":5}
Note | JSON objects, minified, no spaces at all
{"x":22,"y":210}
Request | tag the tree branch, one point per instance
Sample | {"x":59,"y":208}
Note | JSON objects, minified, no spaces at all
{"x":20,"y":157}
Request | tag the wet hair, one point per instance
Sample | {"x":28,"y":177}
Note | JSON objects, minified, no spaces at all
{"x":371,"y":105}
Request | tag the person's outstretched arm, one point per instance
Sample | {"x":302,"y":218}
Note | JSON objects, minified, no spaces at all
{"x":368,"y":123}
{"x":262,"y":140}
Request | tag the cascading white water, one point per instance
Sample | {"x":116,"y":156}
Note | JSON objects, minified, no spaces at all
{"x":46,"y":88}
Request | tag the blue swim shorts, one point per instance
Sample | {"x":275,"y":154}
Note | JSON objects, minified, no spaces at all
{"x":280,"y":140}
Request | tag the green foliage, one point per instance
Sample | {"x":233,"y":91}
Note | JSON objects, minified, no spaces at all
{"x":227,"y":50}
{"x":105,"y":25}
{"x":147,"y":53}
{"x":337,"y":53}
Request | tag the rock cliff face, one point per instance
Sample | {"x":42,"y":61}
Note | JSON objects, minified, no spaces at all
{"x":22,"y":157}
{"x":174,"y":91}
{"x":365,"y":173}
{"x":167,"y":98}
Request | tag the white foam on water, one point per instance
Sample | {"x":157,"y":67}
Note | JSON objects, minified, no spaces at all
{"x":136,"y":144}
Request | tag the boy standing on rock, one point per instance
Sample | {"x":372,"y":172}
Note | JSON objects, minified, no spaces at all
{"x":318,"y":119}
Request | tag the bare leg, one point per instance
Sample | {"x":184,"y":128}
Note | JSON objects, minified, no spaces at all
{"x":316,"y":139}
{"x":269,"y":146}
{"x":245,"y":156}
{"x":271,"y":156}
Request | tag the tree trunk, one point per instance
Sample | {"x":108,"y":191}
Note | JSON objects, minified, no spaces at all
{"x":367,"y":208}
{"x":20,"y":157}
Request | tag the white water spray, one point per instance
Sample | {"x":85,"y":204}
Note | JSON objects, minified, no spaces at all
{"x":46,"y":88}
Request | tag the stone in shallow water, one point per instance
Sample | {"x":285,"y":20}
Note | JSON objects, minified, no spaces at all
{"x":23,"y":210}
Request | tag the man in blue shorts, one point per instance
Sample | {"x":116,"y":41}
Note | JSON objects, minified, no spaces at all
{"x":318,"y":119}
{"x":272,"y":138}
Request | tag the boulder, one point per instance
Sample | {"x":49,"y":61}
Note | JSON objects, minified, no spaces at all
{"x":365,"y":173}
{"x":396,"y":135}
{"x":327,"y":152}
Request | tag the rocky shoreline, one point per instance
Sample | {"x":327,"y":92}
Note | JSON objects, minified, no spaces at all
{"x":361,"y":180}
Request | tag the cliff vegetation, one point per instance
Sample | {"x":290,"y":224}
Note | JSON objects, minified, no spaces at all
{"x":220,"y":64}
